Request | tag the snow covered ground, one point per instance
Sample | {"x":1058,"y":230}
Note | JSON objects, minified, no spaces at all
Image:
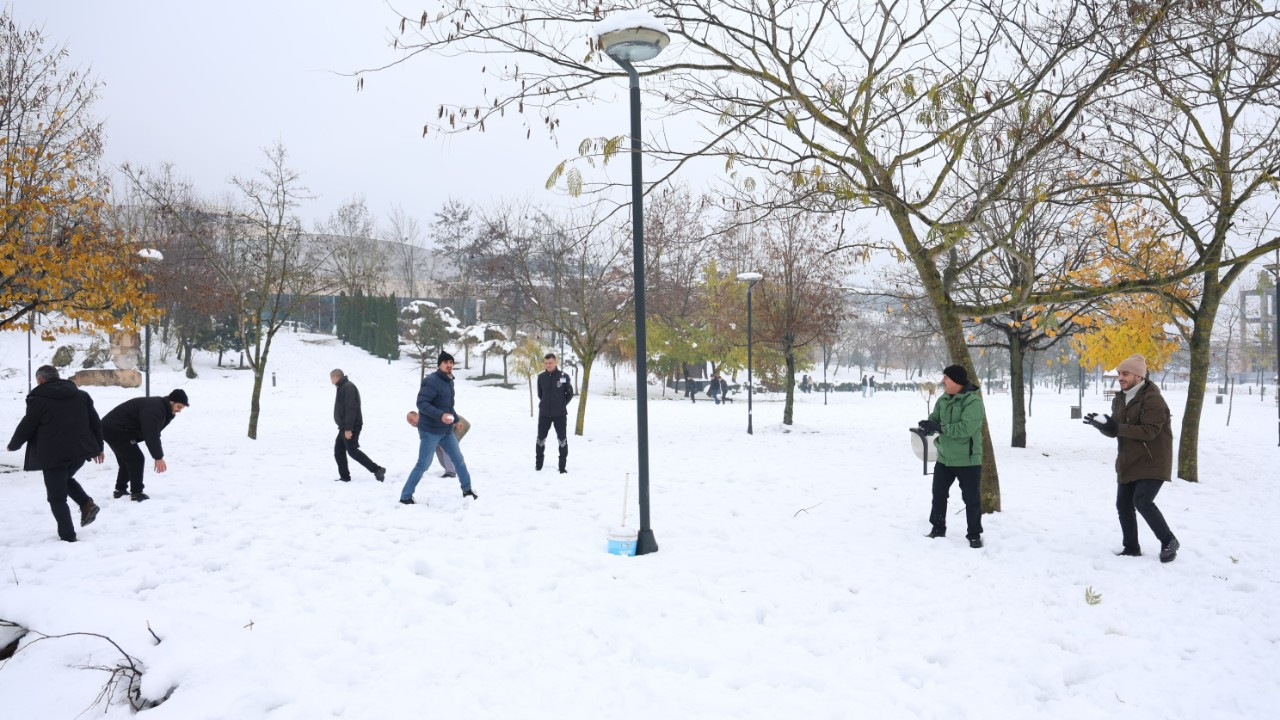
{"x":792,"y":581}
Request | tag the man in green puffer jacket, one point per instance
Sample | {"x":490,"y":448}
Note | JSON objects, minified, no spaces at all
{"x":957,"y":417}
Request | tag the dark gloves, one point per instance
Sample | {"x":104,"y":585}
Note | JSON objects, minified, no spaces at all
{"x":930,"y":427}
{"x":1107,"y":425}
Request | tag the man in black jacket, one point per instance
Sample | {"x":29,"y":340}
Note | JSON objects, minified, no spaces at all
{"x":346,"y":413}
{"x":61,"y":430}
{"x":139,"y":420}
{"x":554,"y":393}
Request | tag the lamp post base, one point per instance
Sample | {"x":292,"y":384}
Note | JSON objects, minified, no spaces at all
{"x":646,"y":543}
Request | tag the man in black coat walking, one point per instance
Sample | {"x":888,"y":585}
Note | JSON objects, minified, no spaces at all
{"x":139,"y":420}
{"x":554,"y":393}
{"x":61,"y":430}
{"x":346,"y":413}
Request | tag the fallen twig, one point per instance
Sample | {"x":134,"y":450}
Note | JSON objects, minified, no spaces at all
{"x":805,"y":510}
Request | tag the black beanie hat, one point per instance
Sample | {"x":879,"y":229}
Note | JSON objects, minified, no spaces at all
{"x":178,"y":396}
{"x":957,"y":374}
{"x":444,"y":357}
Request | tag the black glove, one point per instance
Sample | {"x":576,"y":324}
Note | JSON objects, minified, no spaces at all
{"x":930,"y":426}
{"x":1106,"y":425}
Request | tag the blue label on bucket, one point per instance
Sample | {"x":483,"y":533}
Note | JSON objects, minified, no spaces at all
{"x":622,"y":547}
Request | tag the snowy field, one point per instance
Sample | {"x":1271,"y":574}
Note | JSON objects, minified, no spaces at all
{"x":793,"y":578}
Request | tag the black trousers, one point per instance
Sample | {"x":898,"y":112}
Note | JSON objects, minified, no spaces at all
{"x":970,"y":477}
{"x":60,"y":483}
{"x":342,"y":447}
{"x":544,"y":424}
{"x":129,"y":458}
{"x":1140,"y":495}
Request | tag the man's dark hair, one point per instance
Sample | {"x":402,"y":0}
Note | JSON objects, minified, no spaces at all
{"x":47,"y":373}
{"x":549,"y":356}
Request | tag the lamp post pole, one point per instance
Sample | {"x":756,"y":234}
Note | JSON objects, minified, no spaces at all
{"x":752,"y":278}
{"x":626,"y":45}
{"x":645,"y":541}
{"x":149,"y":255}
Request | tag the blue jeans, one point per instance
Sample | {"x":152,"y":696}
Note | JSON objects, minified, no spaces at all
{"x":427,"y":443}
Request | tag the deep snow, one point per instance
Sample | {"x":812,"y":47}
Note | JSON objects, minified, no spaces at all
{"x":792,"y":580}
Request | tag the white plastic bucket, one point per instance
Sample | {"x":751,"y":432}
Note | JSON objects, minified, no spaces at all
{"x":622,"y":541}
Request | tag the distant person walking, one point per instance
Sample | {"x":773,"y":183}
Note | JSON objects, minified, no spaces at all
{"x":714,"y":389}
{"x":866,"y":387}
{"x":436,"y":416}
{"x":957,"y":416}
{"x":554,"y":393}
{"x":350,"y":420}
{"x":690,"y":390}
{"x":140,"y":420}
{"x":1140,"y":421}
{"x":61,"y":430}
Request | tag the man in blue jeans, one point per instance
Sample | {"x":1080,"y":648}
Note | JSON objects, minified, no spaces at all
{"x":435,"y":428}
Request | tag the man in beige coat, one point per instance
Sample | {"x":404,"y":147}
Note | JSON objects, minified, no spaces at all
{"x":1140,"y":422}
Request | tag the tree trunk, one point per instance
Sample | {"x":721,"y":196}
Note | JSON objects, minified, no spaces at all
{"x":1017,"y":391}
{"x":505,"y":381}
{"x":788,"y":409}
{"x":1201,"y":332}
{"x":255,"y":403}
{"x":587,"y":361}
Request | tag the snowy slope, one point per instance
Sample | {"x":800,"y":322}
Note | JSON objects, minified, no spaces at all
{"x":279,"y":593}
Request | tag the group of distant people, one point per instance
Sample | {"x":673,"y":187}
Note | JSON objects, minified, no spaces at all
{"x":441,"y":428}
{"x":62,"y":431}
{"x":1139,"y":420}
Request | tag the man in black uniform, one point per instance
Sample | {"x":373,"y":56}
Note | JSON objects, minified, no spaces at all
{"x":346,"y":413}
{"x":139,"y":420}
{"x":554,"y":393}
{"x":61,"y":430}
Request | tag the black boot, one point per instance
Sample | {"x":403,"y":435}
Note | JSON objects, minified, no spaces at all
{"x":539,"y":454}
{"x":1169,"y":550}
{"x":937,"y":533}
{"x":1130,"y":552}
{"x":470,"y":493}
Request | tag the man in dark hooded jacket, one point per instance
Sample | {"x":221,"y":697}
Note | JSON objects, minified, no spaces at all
{"x":347,"y":415}
{"x":139,"y":420}
{"x":61,"y":430}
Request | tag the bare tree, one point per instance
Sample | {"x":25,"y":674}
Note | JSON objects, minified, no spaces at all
{"x":255,"y":246}
{"x":544,"y":264}
{"x":413,"y":264}
{"x":355,"y":257}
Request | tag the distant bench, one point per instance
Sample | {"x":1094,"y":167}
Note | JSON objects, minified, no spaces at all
{"x":1108,"y":394}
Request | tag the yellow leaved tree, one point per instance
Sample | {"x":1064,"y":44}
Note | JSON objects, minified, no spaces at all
{"x":60,"y":250}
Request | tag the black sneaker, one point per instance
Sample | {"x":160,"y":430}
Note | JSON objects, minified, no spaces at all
{"x":342,"y":479}
{"x":470,"y":493}
{"x":563,"y":471}
{"x":449,"y":475}
{"x":139,"y":497}
{"x":380,"y":474}
{"x":407,"y":502}
{"x":88,"y":512}
{"x":117,"y":494}
{"x":975,"y":543}
{"x":70,"y":539}
{"x":1130,"y":552}
{"x":1170,"y":550}
{"x":936,"y":533}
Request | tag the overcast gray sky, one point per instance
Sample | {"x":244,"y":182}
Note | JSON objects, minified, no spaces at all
{"x":208,"y":85}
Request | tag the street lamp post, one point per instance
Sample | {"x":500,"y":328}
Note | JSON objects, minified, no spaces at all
{"x":149,"y":254}
{"x":1275,"y":315}
{"x":752,"y":278}
{"x":638,"y":38}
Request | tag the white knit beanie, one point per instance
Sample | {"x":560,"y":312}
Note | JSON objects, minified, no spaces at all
{"x":1134,"y":364}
